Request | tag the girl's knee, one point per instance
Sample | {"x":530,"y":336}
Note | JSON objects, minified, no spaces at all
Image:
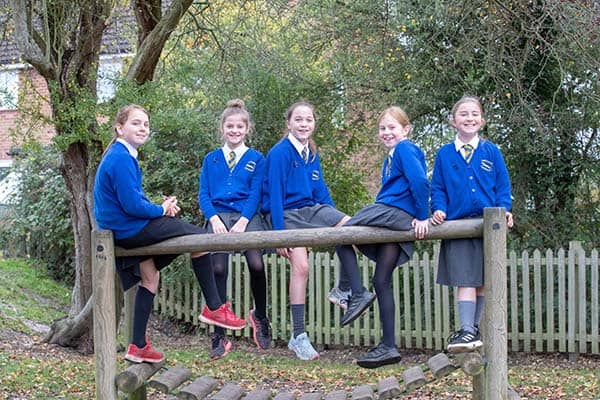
{"x":380,"y":283}
{"x":220,"y":270}
{"x":256,"y":267}
{"x":300,"y":270}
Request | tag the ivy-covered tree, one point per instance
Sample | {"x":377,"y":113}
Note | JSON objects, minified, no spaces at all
{"x":62,"y":40}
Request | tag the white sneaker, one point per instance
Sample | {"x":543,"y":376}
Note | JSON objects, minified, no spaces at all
{"x":302,"y":347}
{"x":339,"y":297}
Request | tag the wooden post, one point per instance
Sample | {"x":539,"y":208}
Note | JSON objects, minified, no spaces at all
{"x":494,"y":329}
{"x":105,"y":330}
{"x":128,"y":307}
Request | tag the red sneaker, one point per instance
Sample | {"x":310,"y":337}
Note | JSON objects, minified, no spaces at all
{"x":223,"y":317}
{"x":145,"y":354}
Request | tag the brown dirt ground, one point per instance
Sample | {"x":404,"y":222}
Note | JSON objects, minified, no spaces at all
{"x":163,"y":332}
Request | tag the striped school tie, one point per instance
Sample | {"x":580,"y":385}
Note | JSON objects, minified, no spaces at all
{"x":468,"y":152}
{"x":388,"y":165}
{"x":231,"y":160}
{"x":304,"y":154}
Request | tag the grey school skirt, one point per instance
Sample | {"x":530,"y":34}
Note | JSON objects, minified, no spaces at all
{"x":257,"y":223}
{"x":461,"y":263}
{"x":384,"y":216}
{"x":317,"y":216}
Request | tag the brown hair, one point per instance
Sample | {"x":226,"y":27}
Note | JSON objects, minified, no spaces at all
{"x":236,"y":107}
{"x":121,"y":118}
{"x":397,"y":113}
{"x":288,"y":116}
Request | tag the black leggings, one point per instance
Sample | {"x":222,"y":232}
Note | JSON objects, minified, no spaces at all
{"x":387,"y":256}
{"x":258,"y":278}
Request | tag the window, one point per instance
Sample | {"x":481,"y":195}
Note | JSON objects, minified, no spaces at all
{"x":109,"y":72}
{"x":9,"y":89}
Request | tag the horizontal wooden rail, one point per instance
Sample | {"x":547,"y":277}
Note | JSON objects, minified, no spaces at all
{"x":466,"y":228}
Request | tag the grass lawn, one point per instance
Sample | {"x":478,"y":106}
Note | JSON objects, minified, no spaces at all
{"x":31,"y":369}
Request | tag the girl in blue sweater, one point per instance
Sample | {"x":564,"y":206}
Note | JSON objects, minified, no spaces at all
{"x":401,"y":204}
{"x":121,"y":206}
{"x":295,"y":196}
{"x":230,"y":190}
{"x":469,"y":174}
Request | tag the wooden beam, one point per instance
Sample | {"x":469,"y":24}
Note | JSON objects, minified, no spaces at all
{"x":466,"y":228}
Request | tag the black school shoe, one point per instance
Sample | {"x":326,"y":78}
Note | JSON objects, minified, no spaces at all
{"x":464,"y":341}
{"x":219,"y":347}
{"x":357,"y":304}
{"x":261,"y":330}
{"x":379,"y":356}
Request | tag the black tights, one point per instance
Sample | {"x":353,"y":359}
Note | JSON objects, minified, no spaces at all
{"x":387,"y":254}
{"x":258,"y":279}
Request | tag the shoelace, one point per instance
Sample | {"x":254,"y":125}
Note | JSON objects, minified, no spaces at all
{"x":264,"y":327}
{"x":453,"y":336}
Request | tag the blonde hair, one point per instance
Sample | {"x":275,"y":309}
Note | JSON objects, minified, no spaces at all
{"x":466,"y":99}
{"x":120,"y":119}
{"x":236,"y":107}
{"x":397,"y":113}
{"x":288,"y":116}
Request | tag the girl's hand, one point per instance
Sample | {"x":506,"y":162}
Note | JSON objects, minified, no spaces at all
{"x":509,"y":219}
{"x":438,"y":217}
{"x":284,"y":252}
{"x":240,"y":225}
{"x":170,"y":206}
{"x":217,"y":225}
{"x":421,"y":227}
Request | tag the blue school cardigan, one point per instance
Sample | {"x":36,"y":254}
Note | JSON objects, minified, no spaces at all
{"x":407,"y":186}
{"x":463,"y":190}
{"x":119,"y":200}
{"x":291,"y":183}
{"x":239,"y":190}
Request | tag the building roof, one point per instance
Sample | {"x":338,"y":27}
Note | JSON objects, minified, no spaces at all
{"x":119,"y":36}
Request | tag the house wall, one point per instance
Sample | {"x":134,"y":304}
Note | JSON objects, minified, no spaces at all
{"x":15,"y":125}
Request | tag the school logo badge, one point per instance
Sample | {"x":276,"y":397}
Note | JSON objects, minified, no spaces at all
{"x":250,"y":166}
{"x":315,"y":175}
{"x":487,"y":165}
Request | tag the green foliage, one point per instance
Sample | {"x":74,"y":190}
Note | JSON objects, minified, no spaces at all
{"x":74,"y":117}
{"x":38,"y":223}
{"x":32,"y":294}
{"x":534,"y":64}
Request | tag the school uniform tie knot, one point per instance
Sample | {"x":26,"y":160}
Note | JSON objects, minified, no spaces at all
{"x":467,"y":152}
{"x":231,"y":160}
{"x":304,"y":154}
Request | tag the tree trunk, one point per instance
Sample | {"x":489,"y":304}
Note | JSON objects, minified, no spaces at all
{"x":75,"y":171}
{"x":66,"y":55}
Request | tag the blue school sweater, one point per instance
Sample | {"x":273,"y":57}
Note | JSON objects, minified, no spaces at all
{"x":407,"y":186}
{"x":291,"y":183}
{"x":462,"y":190}
{"x":237,"y":191}
{"x":119,"y":200}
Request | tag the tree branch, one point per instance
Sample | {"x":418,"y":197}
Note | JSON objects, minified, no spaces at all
{"x":30,"y":51}
{"x":147,"y":56}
